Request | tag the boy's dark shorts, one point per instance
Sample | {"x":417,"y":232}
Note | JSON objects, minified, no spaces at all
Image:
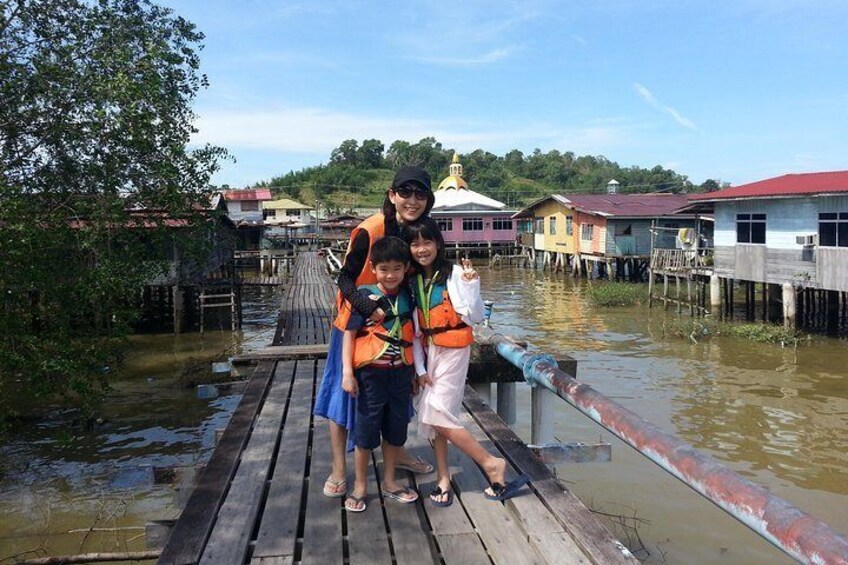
{"x":382,"y":406}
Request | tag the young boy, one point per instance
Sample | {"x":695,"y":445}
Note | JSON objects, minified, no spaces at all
{"x":377,"y":369}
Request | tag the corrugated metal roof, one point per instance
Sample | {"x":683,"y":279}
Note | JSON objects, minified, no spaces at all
{"x":248,"y":194}
{"x":285,"y":204}
{"x":619,"y":205}
{"x":785,"y":185}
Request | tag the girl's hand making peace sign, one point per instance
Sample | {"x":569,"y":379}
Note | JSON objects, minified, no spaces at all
{"x":468,"y":272}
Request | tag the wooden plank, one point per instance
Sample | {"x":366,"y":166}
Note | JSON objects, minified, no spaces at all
{"x":186,"y":542}
{"x":455,"y":535}
{"x":499,"y":530}
{"x":322,"y":532}
{"x":281,"y":352}
{"x":587,"y":531}
{"x":367,"y":539}
{"x":231,"y":534}
{"x":411,"y":538}
{"x":277,"y":535}
{"x":288,"y":560}
{"x":543,"y":531}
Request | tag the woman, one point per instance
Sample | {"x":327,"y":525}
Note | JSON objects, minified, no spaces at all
{"x":409,"y":198}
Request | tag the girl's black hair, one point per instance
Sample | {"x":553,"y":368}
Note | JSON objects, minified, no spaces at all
{"x":427,"y":228}
{"x":390,"y":212}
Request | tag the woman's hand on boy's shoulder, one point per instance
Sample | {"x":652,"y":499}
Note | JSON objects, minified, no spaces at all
{"x":468,"y":272}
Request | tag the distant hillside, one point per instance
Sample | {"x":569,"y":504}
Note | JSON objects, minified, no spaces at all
{"x":358,"y":175}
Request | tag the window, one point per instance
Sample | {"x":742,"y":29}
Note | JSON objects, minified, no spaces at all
{"x":552,"y":225}
{"x":587,"y":232}
{"x":569,"y":225}
{"x":445,"y":224}
{"x":833,"y":229}
{"x":540,"y":225}
{"x":472,"y":224}
{"x":750,"y":228}
{"x":250,"y":206}
{"x":501,"y":224}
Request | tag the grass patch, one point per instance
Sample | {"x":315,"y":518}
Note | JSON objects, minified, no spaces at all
{"x":611,"y":294}
{"x":701,"y":329}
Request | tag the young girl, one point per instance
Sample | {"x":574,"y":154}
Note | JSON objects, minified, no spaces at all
{"x":449,"y":303}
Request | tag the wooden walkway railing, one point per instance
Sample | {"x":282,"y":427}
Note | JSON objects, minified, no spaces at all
{"x":260,"y":500}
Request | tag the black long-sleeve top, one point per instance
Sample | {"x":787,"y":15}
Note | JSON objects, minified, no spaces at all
{"x":353,"y":265}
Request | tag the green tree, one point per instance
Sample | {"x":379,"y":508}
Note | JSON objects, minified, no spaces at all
{"x":94,"y":126}
{"x":370,"y":154}
{"x":346,"y":153}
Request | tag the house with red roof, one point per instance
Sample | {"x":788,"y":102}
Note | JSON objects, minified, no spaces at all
{"x":611,"y":229}
{"x":245,"y":210}
{"x":787,"y":229}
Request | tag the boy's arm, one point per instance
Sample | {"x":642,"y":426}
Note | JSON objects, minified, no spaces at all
{"x":349,"y":383}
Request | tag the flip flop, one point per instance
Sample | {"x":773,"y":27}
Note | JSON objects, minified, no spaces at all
{"x":504,"y":492}
{"x":418,"y":466}
{"x":437,"y":492}
{"x":334,"y":488}
{"x":355,"y":506}
{"x":398,"y":495}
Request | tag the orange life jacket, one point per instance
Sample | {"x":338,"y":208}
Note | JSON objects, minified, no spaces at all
{"x":396,"y":328}
{"x":439,"y":322}
{"x":376,"y":227}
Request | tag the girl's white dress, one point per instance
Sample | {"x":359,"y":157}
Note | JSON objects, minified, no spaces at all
{"x":447,"y":367}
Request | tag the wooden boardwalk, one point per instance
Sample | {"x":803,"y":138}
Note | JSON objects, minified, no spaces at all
{"x":260,"y":498}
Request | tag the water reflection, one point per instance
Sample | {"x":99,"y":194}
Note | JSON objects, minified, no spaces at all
{"x":783,"y":425}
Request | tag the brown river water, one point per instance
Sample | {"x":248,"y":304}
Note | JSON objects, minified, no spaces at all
{"x":776,"y":416}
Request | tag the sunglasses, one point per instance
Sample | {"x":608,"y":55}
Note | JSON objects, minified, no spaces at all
{"x":406,"y":192}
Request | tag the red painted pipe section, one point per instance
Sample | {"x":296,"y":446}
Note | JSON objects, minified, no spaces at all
{"x":801,"y":536}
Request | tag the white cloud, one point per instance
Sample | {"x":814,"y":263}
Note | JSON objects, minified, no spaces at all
{"x":487,"y":58}
{"x":318,"y":131}
{"x":649,"y":97}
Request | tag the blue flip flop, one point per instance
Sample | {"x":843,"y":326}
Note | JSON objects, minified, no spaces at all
{"x":504,"y":492}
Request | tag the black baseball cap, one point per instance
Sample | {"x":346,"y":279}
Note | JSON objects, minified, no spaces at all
{"x":412,"y":174}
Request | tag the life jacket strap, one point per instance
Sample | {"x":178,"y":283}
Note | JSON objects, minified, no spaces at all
{"x":442,"y":329}
{"x":400,"y":342}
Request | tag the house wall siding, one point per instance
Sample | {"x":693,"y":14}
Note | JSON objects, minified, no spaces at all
{"x":488,"y":234}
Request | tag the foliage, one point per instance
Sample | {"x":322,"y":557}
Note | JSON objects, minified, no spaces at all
{"x":515,"y":178}
{"x":701,"y":329}
{"x":94,"y":127}
{"x":611,"y":293}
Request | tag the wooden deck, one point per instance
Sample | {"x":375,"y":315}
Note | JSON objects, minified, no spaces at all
{"x":260,"y":498}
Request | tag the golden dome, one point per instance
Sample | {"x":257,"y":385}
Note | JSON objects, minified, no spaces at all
{"x":454,"y":179}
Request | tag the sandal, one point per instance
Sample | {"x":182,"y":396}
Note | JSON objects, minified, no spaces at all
{"x":437,"y":493}
{"x":352,"y":503}
{"x":411,"y":495}
{"x":334,"y":488}
{"x":418,"y":466}
{"x":503,"y":492}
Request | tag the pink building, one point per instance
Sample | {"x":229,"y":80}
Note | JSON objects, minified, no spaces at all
{"x":468,"y":218}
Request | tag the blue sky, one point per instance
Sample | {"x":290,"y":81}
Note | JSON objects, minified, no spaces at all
{"x":736,"y":91}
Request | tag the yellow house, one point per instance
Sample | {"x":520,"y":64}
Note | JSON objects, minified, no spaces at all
{"x":553,"y":224}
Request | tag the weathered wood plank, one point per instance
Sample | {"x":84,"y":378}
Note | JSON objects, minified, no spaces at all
{"x":543,"y":531}
{"x":499,"y":530}
{"x":589,"y":534}
{"x":186,"y":542}
{"x":322,"y":532}
{"x":367,"y":539}
{"x":283,"y":352}
{"x":231,"y":533}
{"x":463,"y":549}
{"x":277,"y":535}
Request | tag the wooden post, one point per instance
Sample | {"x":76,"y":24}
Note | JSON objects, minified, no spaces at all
{"x":679,"y":302}
{"x":788,"y":305}
{"x":715,"y":295}
{"x":506,"y":402}
{"x":665,"y":292}
{"x":202,"y":301}
{"x":542,"y":416}
{"x":650,"y":286}
{"x":178,"y":309}
{"x":689,"y":294}
{"x":484,"y":390}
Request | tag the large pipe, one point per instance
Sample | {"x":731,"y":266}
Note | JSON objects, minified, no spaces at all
{"x":801,"y":536}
